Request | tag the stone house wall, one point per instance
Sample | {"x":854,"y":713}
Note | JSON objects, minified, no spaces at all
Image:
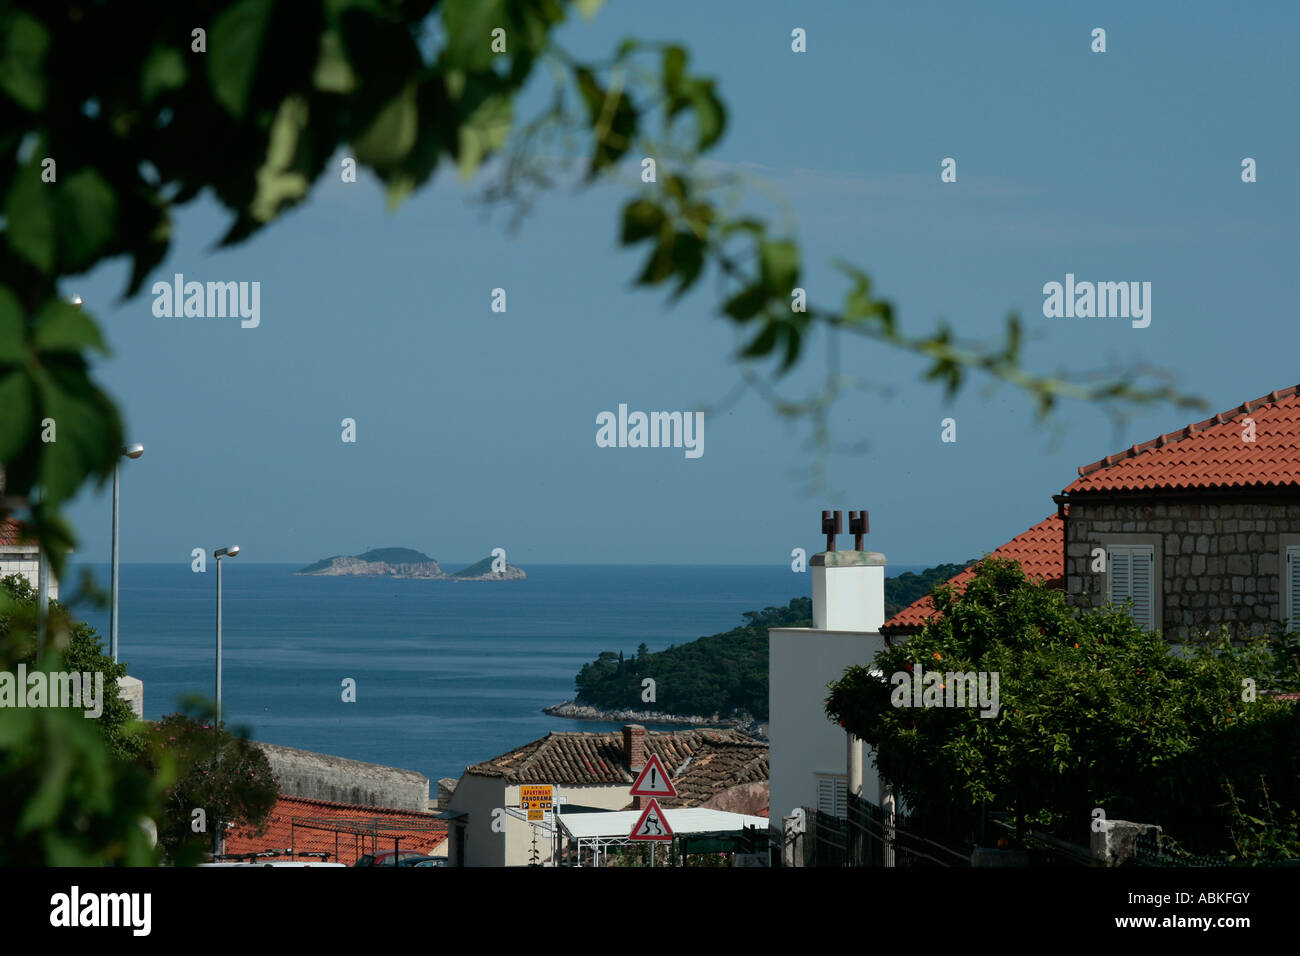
{"x":1218,"y":561}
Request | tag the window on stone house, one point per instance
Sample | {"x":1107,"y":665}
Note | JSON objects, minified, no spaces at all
{"x":1132,"y":576}
{"x":1291,"y":607}
{"x":833,"y":794}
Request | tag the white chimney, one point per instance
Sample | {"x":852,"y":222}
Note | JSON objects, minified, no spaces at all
{"x":848,"y":591}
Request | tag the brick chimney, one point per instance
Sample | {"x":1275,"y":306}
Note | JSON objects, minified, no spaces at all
{"x":634,"y":747}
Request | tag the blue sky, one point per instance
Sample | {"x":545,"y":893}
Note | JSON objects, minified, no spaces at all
{"x":477,"y":429}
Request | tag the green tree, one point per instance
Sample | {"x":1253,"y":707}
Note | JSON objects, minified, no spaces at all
{"x":1094,"y":712}
{"x":227,"y":777}
{"x":82,"y":653}
{"x":723,"y":673}
{"x":69,"y":795}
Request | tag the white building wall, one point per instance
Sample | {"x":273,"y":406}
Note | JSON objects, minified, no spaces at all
{"x":519,"y":833}
{"x":804,"y":741}
{"x":479,"y":796}
{"x":24,"y":559}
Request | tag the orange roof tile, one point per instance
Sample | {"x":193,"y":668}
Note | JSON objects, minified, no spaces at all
{"x":591,"y":759}
{"x":1210,"y":454}
{"x":1039,"y":551}
{"x":9,"y":531}
{"x":282,"y":834}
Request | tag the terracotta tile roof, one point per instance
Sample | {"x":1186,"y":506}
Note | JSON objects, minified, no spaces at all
{"x":9,"y":531}
{"x":717,"y":766}
{"x":1210,"y":454}
{"x":1039,"y":551}
{"x":281,"y":834}
{"x":596,"y":758}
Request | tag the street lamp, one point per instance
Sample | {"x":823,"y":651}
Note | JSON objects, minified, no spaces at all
{"x":219,"y":554}
{"x":130,"y":451}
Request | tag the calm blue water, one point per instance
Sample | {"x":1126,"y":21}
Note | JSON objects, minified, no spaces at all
{"x":447,"y":674}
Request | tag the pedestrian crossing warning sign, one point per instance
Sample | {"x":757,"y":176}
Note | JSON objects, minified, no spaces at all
{"x":653,"y":824}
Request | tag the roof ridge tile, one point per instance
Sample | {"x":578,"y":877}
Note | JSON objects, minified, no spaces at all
{"x":1221,"y":418}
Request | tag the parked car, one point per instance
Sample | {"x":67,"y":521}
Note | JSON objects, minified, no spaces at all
{"x":391,"y":858}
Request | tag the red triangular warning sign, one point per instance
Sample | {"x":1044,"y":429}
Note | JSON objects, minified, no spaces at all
{"x":653,"y":824}
{"x":653,"y":781}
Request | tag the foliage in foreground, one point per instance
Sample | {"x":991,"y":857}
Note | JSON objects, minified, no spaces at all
{"x":71,"y":791}
{"x":1094,"y":713}
{"x":225,"y":779}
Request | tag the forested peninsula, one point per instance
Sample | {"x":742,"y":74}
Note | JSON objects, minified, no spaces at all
{"x":722,"y":677}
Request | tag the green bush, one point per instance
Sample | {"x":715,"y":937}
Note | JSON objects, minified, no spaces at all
{"x":1094,"y":713}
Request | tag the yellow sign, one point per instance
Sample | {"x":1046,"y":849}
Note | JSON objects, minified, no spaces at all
{"x":536,"y":815}
{"x":537,"y":797}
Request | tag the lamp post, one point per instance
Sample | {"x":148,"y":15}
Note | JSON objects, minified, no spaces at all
{"x":218,"y":832}
{"x":219,"y":554}
{"x":130,"y":451}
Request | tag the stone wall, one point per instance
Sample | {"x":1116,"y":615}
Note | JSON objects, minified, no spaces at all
{"x":314,"y":776}
{"x":1220,"y":562}
{"x":131,"y":690}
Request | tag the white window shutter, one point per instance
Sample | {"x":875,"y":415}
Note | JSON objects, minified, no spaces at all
{"x":833,"y":795}
{"x":1132,"y":577}
{"x":1121,"y":574}
{"x":1143,"y":587}
{"x":1292,"y":608}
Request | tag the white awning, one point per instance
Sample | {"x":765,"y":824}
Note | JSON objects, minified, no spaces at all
{"x":617,"y":824}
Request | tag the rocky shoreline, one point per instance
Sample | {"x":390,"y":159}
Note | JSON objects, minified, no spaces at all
{"x":349,"y":566}
{"x":574,"y":711}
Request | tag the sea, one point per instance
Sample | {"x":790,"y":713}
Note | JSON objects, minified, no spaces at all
{"x":447,"y":674}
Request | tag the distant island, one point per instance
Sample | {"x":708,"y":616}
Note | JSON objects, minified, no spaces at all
{"x":409,"y":563}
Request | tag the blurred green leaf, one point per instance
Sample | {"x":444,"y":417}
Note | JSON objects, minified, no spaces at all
{"x":63,"y":327}
{"x":23,"y":44}
{"x":710,"y":114}
{"x":763,"y":343}
{"x":19,"y":420}
{"x":746,"y":303}
{"x":164,"y":70}
{"x":641,"y":220}
{"x":29,"y":208}
{"x":688,"y":261}
{"x":86,"y":216}
{"x":235,"y":50}
{"x":392,"y":134}
{"x":485,"y":132}
{"x":333,"y":72}
{"x":779,"y":265}
{"x":13,"y":331}
{"x":278,"y":181}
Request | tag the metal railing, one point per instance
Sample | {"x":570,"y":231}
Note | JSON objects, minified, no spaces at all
{"x":873,"y":836}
